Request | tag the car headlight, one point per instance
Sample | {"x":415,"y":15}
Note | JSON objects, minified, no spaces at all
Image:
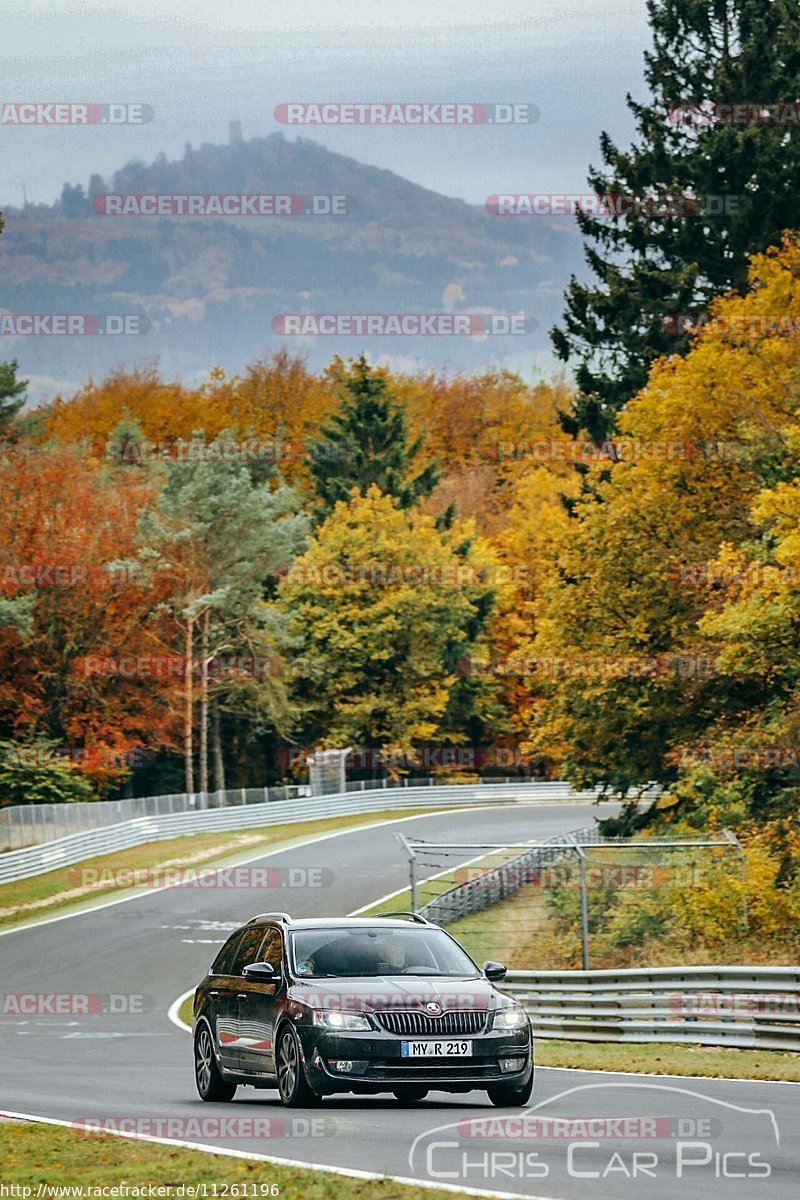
{"x":340,"y":1021}
{"x":513,"y":1017}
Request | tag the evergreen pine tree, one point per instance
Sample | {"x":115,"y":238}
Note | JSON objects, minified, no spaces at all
{"x":364,"y":443}
{"x":12,"y":394}
{"x":650,"y":269}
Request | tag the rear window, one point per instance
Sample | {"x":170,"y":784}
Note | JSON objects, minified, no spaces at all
{"x":222,"y":963}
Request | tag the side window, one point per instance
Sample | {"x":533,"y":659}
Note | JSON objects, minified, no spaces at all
{"x":222,"y":963}
{"x":272,"y":950}
{"x":247,"y":951}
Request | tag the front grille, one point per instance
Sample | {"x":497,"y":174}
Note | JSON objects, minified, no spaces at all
{"x":399,"y":1069}
{"x":413,"y":1023}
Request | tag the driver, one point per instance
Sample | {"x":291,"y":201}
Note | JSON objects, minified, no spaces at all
{"x":395,"y":955}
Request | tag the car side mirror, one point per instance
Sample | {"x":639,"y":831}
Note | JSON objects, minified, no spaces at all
{"x":261,"y":972}
{"x":494,"y":971}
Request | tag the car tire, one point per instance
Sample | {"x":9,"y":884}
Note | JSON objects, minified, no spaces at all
{"x":410,"y":1093}
{"x":208,"y":1079}
{"x":295,"y":1090}
{"x":504,"y":1095}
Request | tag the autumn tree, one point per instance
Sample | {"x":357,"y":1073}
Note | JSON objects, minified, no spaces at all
{"x":623,"y":612}
{"x":68,"y":616}
{"x":386,"y":607}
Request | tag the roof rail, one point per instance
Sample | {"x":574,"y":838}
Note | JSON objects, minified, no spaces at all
{"x":278,"y":916}
{"x":417,"y":917}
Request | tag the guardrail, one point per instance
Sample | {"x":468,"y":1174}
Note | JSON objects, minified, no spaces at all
{"x":35,"y":860}
{"x":497,"y":883}
{"x":24,"y":825}
{"x":743,"y":1007}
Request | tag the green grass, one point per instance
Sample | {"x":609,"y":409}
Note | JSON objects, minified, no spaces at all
{"x":50,"y":1155}
{"x":430,"y":889}
{"x":42,"y":895}
{"x":670,"y":1058}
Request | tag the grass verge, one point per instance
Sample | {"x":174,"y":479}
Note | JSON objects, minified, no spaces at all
{"x":54,"y":1156}
{"x":527,"y":932}
{"x":671,"y":1058}
{"x":44,"y":895}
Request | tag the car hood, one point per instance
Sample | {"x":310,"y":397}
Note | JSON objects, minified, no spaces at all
{"x":398,"y":992}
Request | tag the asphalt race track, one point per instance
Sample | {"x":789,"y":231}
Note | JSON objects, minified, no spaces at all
{"x":678,"y":1137}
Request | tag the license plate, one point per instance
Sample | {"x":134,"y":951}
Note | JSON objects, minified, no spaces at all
{"x":438,"y":1049}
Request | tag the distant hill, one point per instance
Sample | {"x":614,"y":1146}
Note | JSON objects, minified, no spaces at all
{"x":211,"y":285}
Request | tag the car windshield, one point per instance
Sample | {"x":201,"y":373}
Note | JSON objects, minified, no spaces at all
{"x":368,"y":952}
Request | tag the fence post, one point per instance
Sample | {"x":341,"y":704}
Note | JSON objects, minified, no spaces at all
{"x":412,"y":871}
{"x":584,"y":903}
{"x":732,"y":838}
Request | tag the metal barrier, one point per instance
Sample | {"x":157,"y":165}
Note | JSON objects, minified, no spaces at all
{"x":35,"y":860}
{"x":743,"y":1007}
{"x":497,"y":883}
{"x":31,"y":824}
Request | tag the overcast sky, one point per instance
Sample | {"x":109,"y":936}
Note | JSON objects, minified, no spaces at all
{"x":203,"y":64}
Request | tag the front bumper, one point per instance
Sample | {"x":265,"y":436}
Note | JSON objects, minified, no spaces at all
{"x":377,"y":1064}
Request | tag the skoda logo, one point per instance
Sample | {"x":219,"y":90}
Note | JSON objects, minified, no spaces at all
{"x":433,"y":1007}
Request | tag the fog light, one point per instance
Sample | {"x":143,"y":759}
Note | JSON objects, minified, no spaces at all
{"x":348,"y":1066}
{"x":512,"y":1064}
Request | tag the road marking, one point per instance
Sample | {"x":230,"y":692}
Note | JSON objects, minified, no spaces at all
{"x":98,"y":1034}
{"x":438,"y":875}
{"x":280,"y":849}
{"x":174,"y":1009}
{"x":666,"y":1074}
{"x":347,"y":1172}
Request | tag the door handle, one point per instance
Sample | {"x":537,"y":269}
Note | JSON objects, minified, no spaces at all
{"x":214,"y":994}
{"x":241,"y":996}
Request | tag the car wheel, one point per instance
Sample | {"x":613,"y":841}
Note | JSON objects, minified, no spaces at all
{"x":294,"y":1088}
{"x":505,"y":1095}
{"x":410,"y":1094}
{"x":210,"y":1084}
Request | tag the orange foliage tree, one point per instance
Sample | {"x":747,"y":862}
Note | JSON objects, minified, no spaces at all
{"x":79,"y":622}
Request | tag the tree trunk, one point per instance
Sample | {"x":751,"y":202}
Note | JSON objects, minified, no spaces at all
{"x":204,"y":642}
{"x":188,"y":700}
{"x":216,"y":748}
